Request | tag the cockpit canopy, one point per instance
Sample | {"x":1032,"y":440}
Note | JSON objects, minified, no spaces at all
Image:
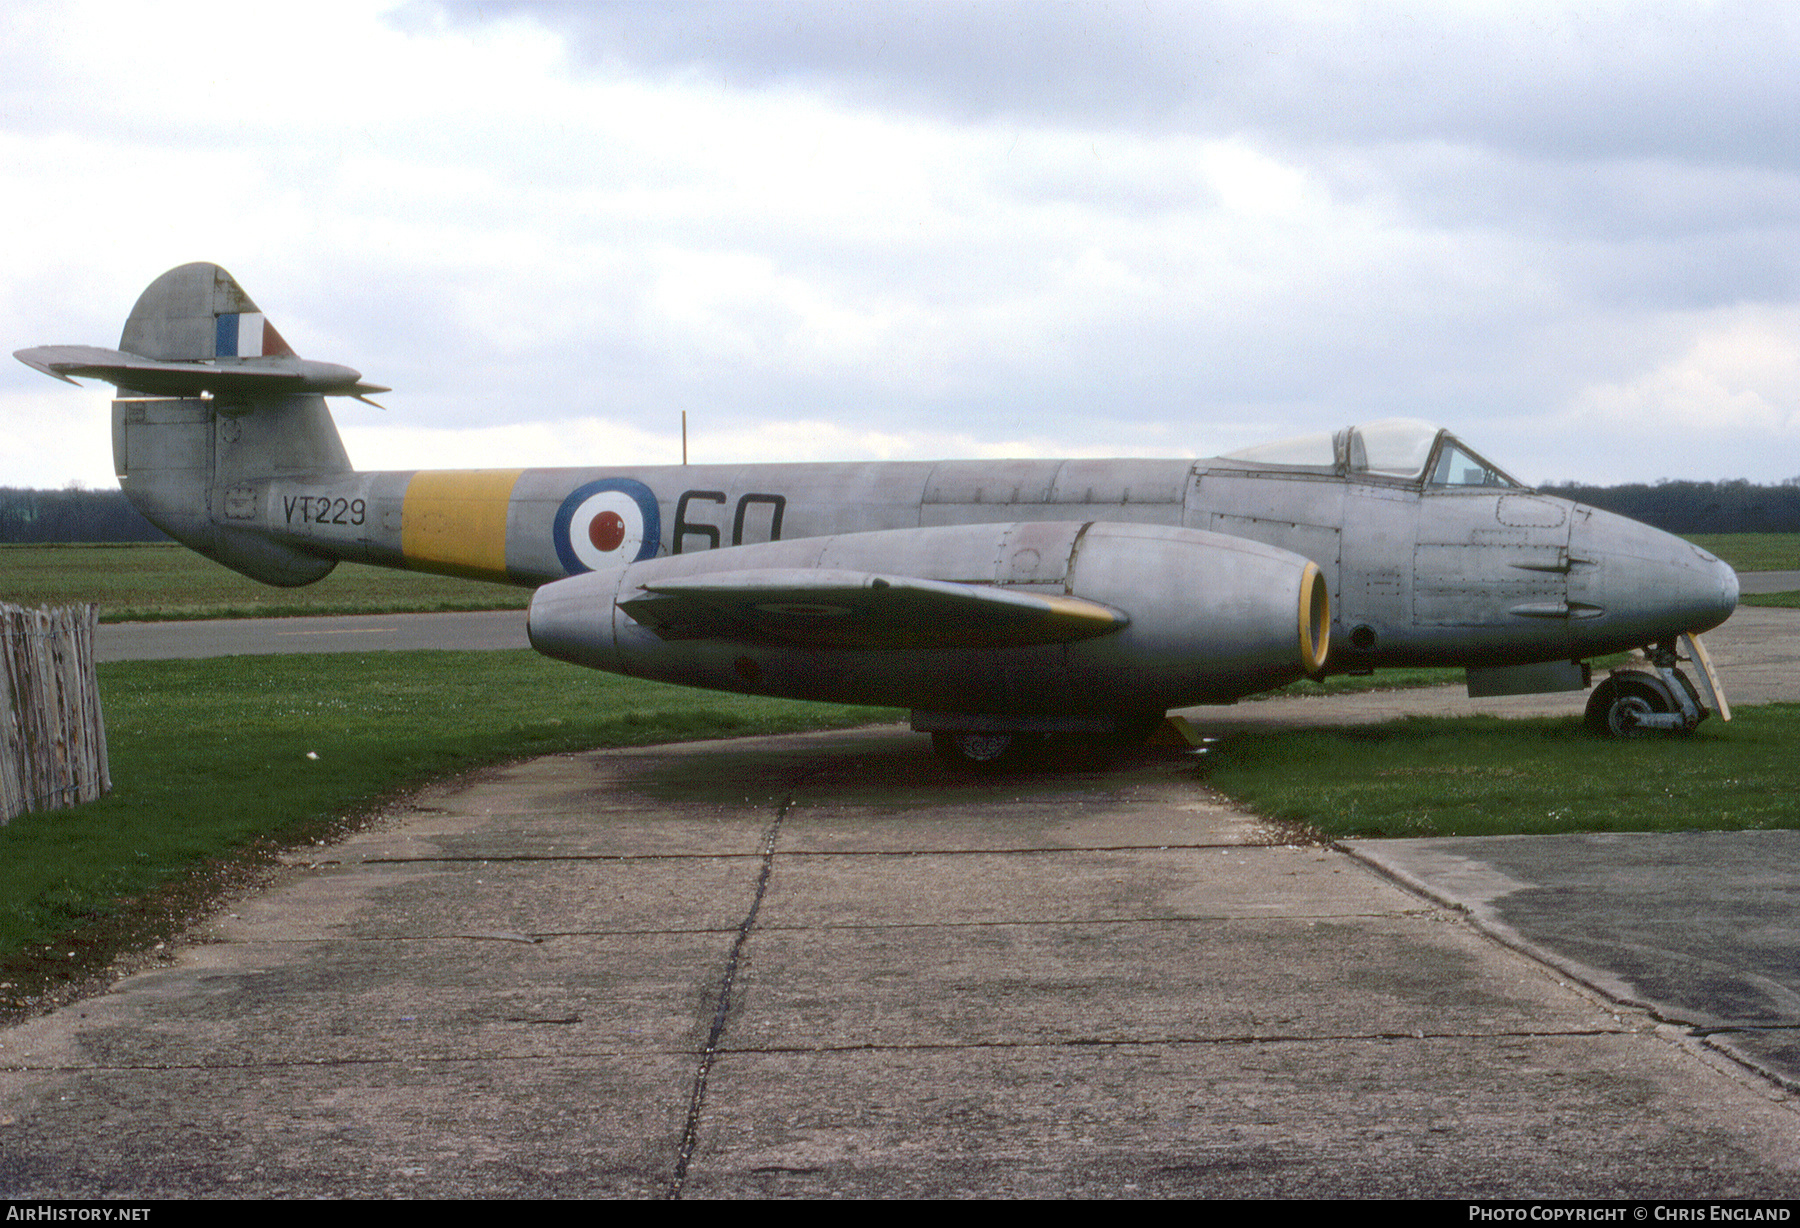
{"x":1405,"y":449}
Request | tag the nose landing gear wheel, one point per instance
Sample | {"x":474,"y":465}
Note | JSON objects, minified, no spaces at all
{"x":1619,"y":705}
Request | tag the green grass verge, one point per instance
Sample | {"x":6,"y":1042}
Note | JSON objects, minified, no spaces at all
{"x":1780,"y":601}
{"x":1481,"y":776}
{"x":1753,"y":551}
{"x":211,"y":757}
{"x":143,"y":583}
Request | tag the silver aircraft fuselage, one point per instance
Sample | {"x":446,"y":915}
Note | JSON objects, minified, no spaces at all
{"x":1482,"y":572}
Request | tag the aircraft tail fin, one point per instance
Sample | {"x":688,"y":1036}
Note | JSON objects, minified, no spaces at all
{"x":198,"y":313}
{"x":213,"y":404}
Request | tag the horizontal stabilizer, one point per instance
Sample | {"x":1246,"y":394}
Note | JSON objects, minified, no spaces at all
{"x":232,"y":380}
{"x":844,"y":609}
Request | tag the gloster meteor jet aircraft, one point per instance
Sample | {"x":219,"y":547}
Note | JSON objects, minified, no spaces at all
{"x":999,"y":600}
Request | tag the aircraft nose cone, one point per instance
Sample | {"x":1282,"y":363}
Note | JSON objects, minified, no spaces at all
{"x":1702,"y":590}
{"x":1699,"y":591}
{"x":1726,"y":597}
{"x":1644,"y":586}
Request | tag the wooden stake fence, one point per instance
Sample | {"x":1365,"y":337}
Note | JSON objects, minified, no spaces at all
{"x":52,"y":739}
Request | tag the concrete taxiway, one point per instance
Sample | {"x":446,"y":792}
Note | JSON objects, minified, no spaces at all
{"x":1769,"y":581}
{"x":231,"y":637}
{"x":816,"y":965}
{"x":820,"y":965}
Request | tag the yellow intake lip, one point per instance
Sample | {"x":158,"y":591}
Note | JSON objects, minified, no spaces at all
{"x":1315,"y":621}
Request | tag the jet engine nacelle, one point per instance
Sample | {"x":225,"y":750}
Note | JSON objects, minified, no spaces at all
{"x":1027,"y":619}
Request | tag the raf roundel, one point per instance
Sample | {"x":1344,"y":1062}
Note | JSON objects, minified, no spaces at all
{"x":607,"y":523}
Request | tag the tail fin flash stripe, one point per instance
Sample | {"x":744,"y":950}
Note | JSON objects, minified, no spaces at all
{"x":274,"y":343}
{"x":246,"y":334}
{"x":454,"y":523}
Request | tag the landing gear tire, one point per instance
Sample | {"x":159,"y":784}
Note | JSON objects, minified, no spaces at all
{"x":986,"y":752}
{"x":1619,"y":704}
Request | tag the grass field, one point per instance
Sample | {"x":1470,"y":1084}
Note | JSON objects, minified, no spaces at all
{"x":137,"y":583}
{"x":1753,"y":551}
{"x":1480,"y":776}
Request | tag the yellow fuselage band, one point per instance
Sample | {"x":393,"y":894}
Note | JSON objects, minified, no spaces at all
{"x":454,"y":523}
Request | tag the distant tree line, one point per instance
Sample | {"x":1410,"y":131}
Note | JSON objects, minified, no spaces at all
{"x":1697,"y":507}
{"x":1675,"y":507}
{"x":72,"y":516}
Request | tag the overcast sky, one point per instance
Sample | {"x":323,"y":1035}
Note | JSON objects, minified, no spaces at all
{"x":851,"y":231}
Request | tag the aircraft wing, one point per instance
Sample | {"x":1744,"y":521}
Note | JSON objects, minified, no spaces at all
{"x":252,"y":378}
{"x":806,"y":608}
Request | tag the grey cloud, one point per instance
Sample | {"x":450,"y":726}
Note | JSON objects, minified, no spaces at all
{"x":1711,"y":83}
